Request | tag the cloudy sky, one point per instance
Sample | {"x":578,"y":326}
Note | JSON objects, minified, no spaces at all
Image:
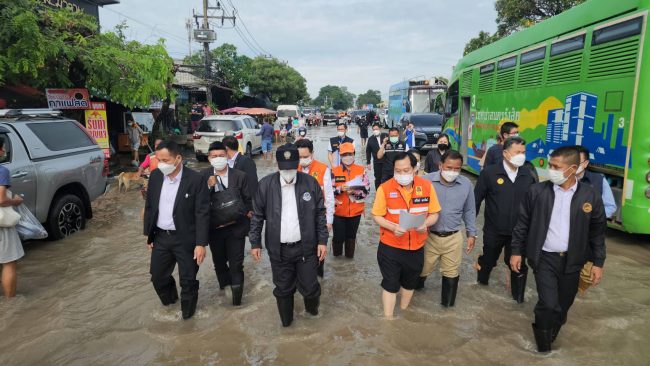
{"x":360,"y":44}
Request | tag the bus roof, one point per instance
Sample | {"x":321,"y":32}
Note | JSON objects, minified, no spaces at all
{"x":580,"y":16}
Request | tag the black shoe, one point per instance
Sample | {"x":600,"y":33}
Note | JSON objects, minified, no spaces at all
{"x":237,"y":292}
{"x":518,"y":285}
{"x":420,"y":285}
{"x":321,"y":269}
{"x":483,"y":277}
{"x":543,"y":338}
{"x":224,"y":280}
{"x":350,"y":245}
{"x":285,"y":308}
{"x":449,"y":289}
{"x":188,"y":307}
{"x":311,"y":305}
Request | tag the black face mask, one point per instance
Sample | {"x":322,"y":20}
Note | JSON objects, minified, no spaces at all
{"x":443,"y":147}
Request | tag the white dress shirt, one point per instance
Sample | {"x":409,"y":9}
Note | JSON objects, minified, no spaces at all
{"x":557,"y":238}
{"x":166,"y":203}
{"x":224,"y":180}
{"x":289,"y":222}
{"x":512,"y":174}
{"x":231,"y":162}
{"x":328,"y":193}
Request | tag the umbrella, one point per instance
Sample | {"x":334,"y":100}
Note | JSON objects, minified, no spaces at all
{"x":233,"y":110}
{"x":257,"y":112}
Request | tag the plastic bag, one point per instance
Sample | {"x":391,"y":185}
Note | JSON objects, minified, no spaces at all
{"x":29,"y":227}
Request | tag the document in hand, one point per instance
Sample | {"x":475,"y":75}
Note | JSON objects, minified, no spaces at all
{"x":409,"y":221}
{"x":356,"y":182}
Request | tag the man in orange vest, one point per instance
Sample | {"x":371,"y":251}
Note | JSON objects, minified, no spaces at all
{"x":351,"y":186}
{"x":322,"y":174}
{"x":400,"y":254}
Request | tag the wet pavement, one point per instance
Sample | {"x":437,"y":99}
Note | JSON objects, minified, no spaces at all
{"x":87,"y":300}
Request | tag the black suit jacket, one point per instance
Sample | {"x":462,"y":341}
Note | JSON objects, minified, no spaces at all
{"x":372,"y":147}
{"x":238,"y":181}
{"x":191,"y":208}
{"x":247,"y":165}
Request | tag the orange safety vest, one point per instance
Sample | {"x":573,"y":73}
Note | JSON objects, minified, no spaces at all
{"x":317,"y":170}
{"x":345,"y":207}
{"x":153,"y":162}
{"x":395,"y":202}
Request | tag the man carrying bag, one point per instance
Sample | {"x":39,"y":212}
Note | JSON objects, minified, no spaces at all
{"x":230,"y":205}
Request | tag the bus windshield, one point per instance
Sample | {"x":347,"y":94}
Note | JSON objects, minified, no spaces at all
{"x":420,"y":101}
{"x":287,"y":112}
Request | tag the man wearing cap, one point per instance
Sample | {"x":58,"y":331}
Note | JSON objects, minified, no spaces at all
{"x":292,"y":205}
{"x":351,"y":186}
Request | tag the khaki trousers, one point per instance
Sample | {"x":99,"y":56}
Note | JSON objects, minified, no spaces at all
{"x":449,"y":250}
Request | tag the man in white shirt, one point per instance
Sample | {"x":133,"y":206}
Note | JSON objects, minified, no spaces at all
{"x":292,"y":202}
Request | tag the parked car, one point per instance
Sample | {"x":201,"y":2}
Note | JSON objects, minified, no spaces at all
{"x":216,"y":127}
{"x":428,"y":127}
{"x":330,"y":115}
{"x":56,"y":166}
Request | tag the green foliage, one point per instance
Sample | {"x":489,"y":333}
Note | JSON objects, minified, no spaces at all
{"x":50,"y":48}
{"x":228,"y":68}
{"x":369,"y":97}
{"x":337,"y":97}
{"x":277,"y":81}
{"x":515,"y":15}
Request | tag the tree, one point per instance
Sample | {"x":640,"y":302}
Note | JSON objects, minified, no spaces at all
{"x":277,"y":81}
{"x":337,"y":97}
{"x":45,"y":47}
{"x":515,"y":15}
{"x":369,"y":97}
{"x":229,"y":69}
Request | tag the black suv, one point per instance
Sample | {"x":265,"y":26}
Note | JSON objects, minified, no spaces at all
{"x":428,"y":127}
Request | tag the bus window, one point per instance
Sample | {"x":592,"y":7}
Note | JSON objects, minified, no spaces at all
{"x":452,"y":99}
{"x":507,"y":63}
{"x":487,"y":68}
{"x":618,"y":31}
{"x":533,"y":55}
{"x":568,"y":45}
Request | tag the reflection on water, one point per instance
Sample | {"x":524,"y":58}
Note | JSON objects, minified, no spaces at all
{"x":87,"y":300}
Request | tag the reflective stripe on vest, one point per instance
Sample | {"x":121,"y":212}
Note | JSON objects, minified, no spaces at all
{"x":345,"y":208}
{"x":395,"y":203}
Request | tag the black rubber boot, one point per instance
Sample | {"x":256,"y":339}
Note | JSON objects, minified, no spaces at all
{"x":285,"y":308}
{"x":237,"y":292}
{"x":311,"y":305}
{"x":321,"y":269}
{"x":543,"y":338}
{"x":518,"y":285}
{"x":224,"y":280}
{"x":350,"y":245}
{"x":449,"y":289}
{"x":420,"y":285}
{"x":556,"y":331}
{"x":188,"y":306}
{"x":169,"y":296}
{"x":483,"y":277}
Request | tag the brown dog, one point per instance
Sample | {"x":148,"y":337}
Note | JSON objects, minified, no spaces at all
{"x":126,"y":178}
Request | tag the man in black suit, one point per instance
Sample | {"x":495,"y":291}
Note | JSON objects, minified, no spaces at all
{"x":241,"y":162}
{"x":227,"y":240}
{"x":372,"y":148}
{"x":176,"y":222}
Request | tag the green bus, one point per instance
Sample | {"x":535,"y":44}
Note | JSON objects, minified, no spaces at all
{"x":579,"y":78}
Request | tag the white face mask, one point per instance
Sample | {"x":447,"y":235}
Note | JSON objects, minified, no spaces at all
{"x":305,"y":162}
{"x":376,"y":132}
{"x":449,"y":175}
{"x":518,"y":160}
{"x":404,"y":179}
{"x":340,"y":133}
{"x":557,"y":176}
{"x":219,"y":163}
{"x":288,"y":175}
{"x":581,"y":168}
{"x":347,"y":160}
{"x":166,"y":168}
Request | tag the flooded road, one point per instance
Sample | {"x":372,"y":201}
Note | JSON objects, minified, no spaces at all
{"x":87,"y":300}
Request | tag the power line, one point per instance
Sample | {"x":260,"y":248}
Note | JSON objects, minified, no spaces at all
{"x":152,"y":28}
{"x":256,"y":50}
{"x":241,"y":20}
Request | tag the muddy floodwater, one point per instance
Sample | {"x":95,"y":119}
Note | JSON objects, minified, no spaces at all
{"x":87,"y":300}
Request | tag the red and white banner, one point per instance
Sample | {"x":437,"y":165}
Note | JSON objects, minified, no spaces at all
{"x":67,"y":98}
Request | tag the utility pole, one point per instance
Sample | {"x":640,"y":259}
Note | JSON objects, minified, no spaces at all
{"x":188,"y":26}
{"x":205,"y":35}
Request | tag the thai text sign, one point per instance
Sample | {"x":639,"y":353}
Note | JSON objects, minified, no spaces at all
{"x":67,"y":98}
{"x":97,"y":124}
